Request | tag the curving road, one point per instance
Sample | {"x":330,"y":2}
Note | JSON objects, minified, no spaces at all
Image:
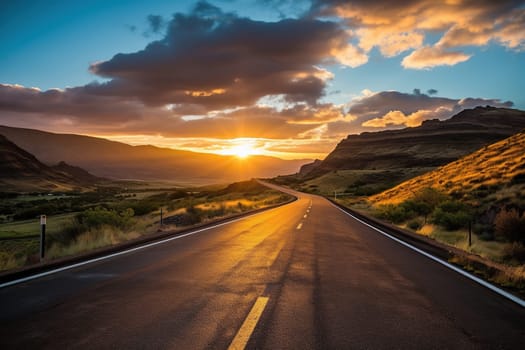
{"x":301,"y":276}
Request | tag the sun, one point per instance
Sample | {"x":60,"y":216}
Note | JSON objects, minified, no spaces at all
{"x":242,"y":150}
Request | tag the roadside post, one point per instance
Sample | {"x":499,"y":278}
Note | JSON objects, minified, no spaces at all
{"x":470,"y":233}
{"x":43,"y":220}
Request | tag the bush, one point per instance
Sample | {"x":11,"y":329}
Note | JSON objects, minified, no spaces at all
{"x":484,"y":232}
{"x":193,"y":215}
{"x":394,"y":213}
{"x":510,"y":226}
{"x":415,"y":224}
{"x":451,"y":215}
{"x":99,"y":216}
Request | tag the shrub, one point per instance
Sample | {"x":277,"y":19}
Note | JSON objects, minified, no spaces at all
{"x":415,"y":224}
{"x":451,"y":215}
{"x":193,"y":215}
{"x":510,"y":226}
{"x":484,"y":231}
{"x":99,"y":216}
{"x":394,"y":213}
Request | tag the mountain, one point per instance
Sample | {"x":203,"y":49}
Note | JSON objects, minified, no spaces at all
{"x":22,"y":171}
{"x":121,"y":161}
{"x":77,"y":173}
{"x":432,"y":144}
{"x":307,"y":168}
{"x":494,"y":174}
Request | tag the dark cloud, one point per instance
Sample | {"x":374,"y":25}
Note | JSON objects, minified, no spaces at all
{"x":156,"y":23}
{"x":72,"y":102}
{"x":395,"y":109}
{"x":220,"y":60}
{"x":381,"y":103}
{"x":58,"y":110}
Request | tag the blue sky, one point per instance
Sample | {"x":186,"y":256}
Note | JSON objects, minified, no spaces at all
{"x":350,"y":57}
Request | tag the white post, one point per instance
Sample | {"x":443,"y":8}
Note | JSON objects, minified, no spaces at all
{"x":43,"y":221}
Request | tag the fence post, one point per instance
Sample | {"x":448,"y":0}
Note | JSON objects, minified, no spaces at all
{"x":470,"y":233}
{"x":43,"y":221}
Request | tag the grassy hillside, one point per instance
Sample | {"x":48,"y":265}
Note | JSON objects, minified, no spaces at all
{"x":371,"y":162}
{"x":492,"y":175}
{"x":432,"y":144}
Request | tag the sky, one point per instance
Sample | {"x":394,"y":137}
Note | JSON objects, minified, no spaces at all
{"x":274,"y":77}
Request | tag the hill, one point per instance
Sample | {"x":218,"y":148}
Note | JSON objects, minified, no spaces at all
{"x":121,"y":161}
{"x":22,"y":171}
{"x":434,"y":143}
{"x":371,"y":162}
{"x":493,"y":175}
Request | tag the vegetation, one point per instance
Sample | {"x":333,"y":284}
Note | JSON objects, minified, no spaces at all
{"x":78,"y":222}
{"x":510,"y":226}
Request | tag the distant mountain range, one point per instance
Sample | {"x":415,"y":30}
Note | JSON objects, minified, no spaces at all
{"x":117,"y":160}
{"x":432,"y":144}
{"x":22,"y":171}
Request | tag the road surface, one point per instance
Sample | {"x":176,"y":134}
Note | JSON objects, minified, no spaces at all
{"x":301,"y":276}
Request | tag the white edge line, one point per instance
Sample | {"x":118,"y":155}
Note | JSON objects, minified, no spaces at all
{"x":442,"y":262}
{"x":90,"y":261}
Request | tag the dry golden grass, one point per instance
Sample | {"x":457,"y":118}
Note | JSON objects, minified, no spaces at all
{"x":494,"y":167}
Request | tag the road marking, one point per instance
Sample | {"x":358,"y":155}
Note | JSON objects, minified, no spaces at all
{"x":300,"y":225}
{"x":105,"y":257}
{"x":478,"y":280}
{"x":245,"y":332}
{"x":305,"y":216}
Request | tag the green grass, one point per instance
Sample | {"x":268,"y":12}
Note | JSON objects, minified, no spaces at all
{"x":32,"y":227}
{"x":358,"y":182}
{"x":19,"y":240}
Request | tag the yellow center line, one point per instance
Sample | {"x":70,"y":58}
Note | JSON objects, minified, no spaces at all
{"x":245,"y":332}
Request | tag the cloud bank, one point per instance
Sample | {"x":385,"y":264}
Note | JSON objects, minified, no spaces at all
{"x":396,"y":27}
{"x":217,"y":75}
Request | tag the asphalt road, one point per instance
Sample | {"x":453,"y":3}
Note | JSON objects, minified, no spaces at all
{"x":301,"y":276}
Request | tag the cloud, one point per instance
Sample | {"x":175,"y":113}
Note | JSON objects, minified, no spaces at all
{"x":73,"y":109}
{"x":399,"y":118}
{"x":208,"y":50}
{"x":396,"y":109}
{"x":349,"y":55}
{"x":394,"y":118}
{"x":395,"y":27}
{"x":156,"y":23}
{"x":431,"y":56}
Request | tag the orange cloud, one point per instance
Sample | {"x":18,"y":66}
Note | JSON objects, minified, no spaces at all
{"x":428,"y":57}
{"x":398,"y":26}
{"x":399,"y":118}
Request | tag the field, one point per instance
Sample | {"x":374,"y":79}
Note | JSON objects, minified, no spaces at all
{"x":364,"y":182}
{"x":79,"y":222}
